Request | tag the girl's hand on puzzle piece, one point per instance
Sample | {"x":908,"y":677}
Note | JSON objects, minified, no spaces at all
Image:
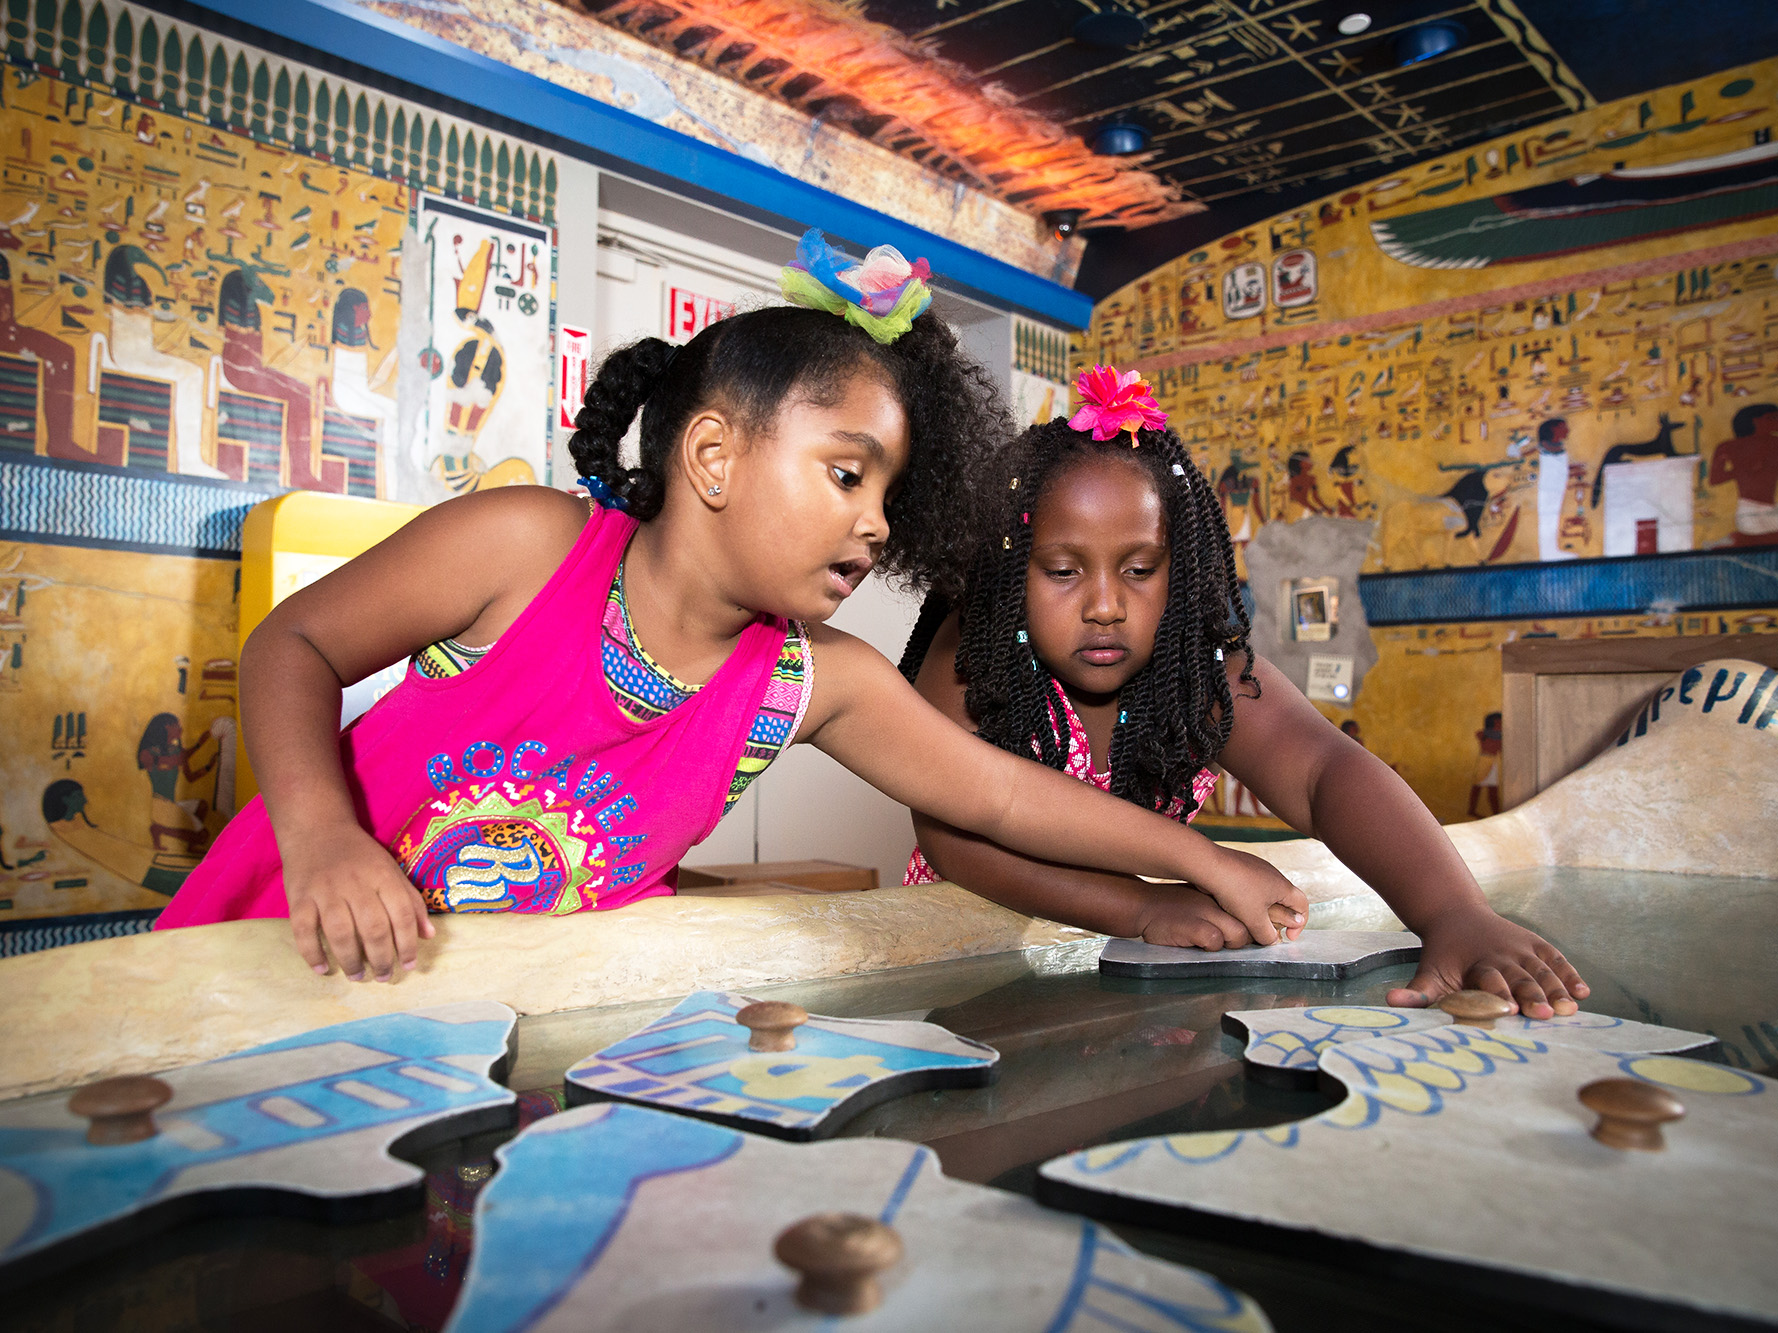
{"x":1188,"y":918}
{"x":1257,"y":895}
{"x":1474,"y":949}
{"x":348,"y":891}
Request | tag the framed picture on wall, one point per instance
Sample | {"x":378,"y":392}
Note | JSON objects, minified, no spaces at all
{"x":1311,"y":608}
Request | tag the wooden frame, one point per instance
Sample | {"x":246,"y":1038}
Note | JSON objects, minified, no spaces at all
{"x":1565,"y":700}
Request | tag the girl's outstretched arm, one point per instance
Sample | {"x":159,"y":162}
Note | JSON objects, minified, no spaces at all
{"x":1323,"y":783}
{"x":866,"y":716}
{"x":1169,"y":914}
{"x":462,"y":569}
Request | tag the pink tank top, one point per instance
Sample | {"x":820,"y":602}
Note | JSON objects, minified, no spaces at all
{"x":520,"y":785}
{"x":1078,"y":764}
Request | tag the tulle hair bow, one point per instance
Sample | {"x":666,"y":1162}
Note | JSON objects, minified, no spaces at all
{"x":884,"y":295}
{"x":1113,"y":402}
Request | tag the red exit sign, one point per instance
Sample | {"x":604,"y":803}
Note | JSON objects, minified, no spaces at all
{"x":689,"y":314}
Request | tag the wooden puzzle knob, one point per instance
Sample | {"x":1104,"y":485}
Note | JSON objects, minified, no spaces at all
{"x":1631,"y":1112}
{"x":839,"y":1256}
{"x":121,"y":1109}
{"x":1476,"y":1008}
{"x":773,"y":1024}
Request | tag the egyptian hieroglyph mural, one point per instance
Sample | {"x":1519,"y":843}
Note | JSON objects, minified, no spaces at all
{"x":1556,"y":346}
{"x":1560,"y":345}
{"x":117,"y":694}
{"x":222,"y":275}
{"x":204,"y":267}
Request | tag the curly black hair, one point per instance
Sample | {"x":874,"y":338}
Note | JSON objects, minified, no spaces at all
{"x":1174,"y":715}
{"x":751,"y":364}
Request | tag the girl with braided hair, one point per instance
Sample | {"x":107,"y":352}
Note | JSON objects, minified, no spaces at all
{"x":1100,"y":631}
{"x":537,"y":757}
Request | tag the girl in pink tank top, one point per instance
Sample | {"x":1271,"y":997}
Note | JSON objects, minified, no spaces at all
{"x":590,"y":683}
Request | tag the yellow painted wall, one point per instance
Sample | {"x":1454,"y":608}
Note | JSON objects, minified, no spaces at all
{"x":1422,"y":350}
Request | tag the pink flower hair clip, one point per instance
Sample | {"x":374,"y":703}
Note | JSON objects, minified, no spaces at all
{"x":1114,"y":402}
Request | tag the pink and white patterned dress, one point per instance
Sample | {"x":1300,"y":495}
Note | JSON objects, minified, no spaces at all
{"x":1079,"y":764}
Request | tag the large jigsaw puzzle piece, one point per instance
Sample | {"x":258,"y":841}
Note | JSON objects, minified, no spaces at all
{"x":620,"y":1217}
{"x":301,"y":1125}
{"x":697,"y":1060}
{"x":1315,"y":955}
{"x":1454,"y":1146}
{"x":1284,"y":1046}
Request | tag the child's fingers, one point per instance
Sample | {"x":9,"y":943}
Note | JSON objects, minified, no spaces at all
{"x":1295,"y":899}
{"x":305,"y":928}
{"x":1284,"y":921}
{"x":405,"y":923}
{"x":378,"y":938}
{"x":1491,"y":979}
{"x":1571,"y":980}
{"x":1525,"y":991}
{"x":342,"y":938}
{"x":1554,"y":992}
{"x":1423,"y":989}
{"x":1233,"y":933}
{"x":422,"y":916}
{"x":1258,"y":921}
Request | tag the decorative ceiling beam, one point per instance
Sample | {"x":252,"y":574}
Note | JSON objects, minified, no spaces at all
{"x":892,"y":91}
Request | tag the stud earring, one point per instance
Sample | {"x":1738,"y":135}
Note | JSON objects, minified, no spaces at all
{"x":713,"y":490}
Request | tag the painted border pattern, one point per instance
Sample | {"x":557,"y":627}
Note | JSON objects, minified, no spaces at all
{"x":45,"y":500}
{"x":1620,"y":585}
{"x":164,"y":65}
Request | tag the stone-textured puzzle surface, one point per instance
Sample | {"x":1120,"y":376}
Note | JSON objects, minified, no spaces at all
{"x":314,"y":1115}
{"x":696,"y":1060}
{"x":1315,"y":955}
{"x":1293,"y":1039}
{"x":1479,"y":1135}
{"x":621,"y":1217}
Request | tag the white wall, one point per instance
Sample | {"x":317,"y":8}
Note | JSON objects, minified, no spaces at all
{"x":806,"y":805}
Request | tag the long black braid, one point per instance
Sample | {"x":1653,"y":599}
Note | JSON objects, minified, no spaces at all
{"x":753,"y":363}
{"x":1174,"y":715}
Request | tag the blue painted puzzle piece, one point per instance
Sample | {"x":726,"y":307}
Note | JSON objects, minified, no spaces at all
{"x":74,"y":1186}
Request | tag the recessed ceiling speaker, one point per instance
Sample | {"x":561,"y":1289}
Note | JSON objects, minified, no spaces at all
{"x":1423,"y":41}
{"x":1111,"y":29}
{"x":1120,"y":139}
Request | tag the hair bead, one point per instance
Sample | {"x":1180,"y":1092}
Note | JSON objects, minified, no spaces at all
{"x":1023,"y":637}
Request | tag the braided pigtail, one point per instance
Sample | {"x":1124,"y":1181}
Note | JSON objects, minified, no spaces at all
{"x":625,"y":381}
{"x":1014,"y":701}
{"x":932,"y":614}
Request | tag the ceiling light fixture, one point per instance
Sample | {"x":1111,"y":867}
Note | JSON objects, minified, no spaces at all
{"x":1111,"y":29}
{"x":1064,"y":222}
{"x":1120,"y":139}
{"x":1353,"y":24}
{"x":1423,"y":41}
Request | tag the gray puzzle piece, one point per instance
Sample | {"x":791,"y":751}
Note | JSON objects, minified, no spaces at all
{"x":1317,"y":955}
